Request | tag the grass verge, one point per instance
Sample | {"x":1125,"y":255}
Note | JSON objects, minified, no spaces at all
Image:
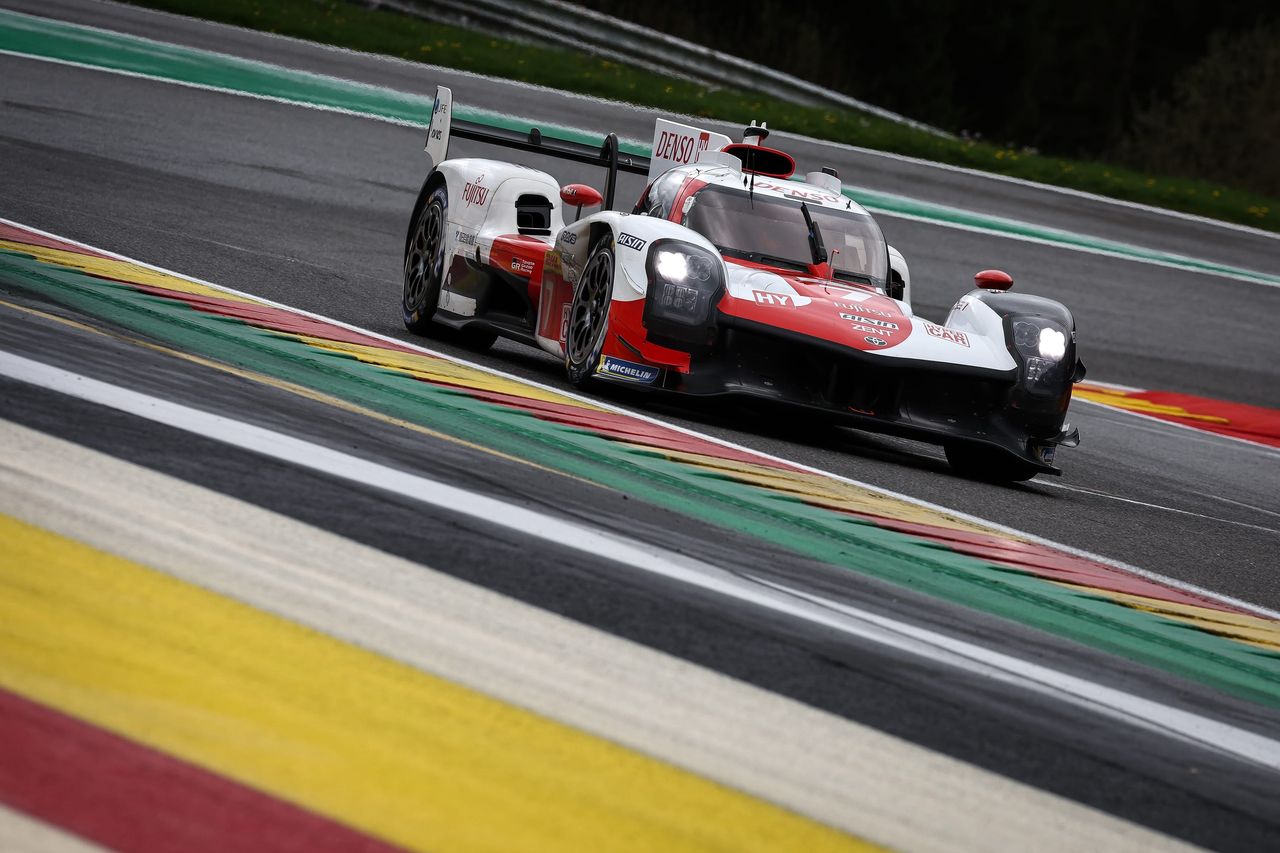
{"x":353,"y":25}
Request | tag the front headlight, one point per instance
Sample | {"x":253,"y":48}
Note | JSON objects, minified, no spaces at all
{"x":1041,"y":345}
{"x":685,"y":282}
{"x":1034,"y":336}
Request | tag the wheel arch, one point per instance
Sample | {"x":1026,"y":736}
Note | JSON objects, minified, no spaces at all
{"x":435,"y":178}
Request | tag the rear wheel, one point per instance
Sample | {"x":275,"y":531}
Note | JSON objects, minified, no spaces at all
{"x":589,"y":316}
{"x":424,"y":263}
{"x":986,"y":463}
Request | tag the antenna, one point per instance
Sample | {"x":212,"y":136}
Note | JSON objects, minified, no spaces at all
{"x":755,"y":134}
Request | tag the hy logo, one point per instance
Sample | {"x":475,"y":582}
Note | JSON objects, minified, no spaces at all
{"x":763,"y":297}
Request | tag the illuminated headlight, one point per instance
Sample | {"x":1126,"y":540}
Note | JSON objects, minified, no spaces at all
{"x":1053,"y":344}
{"x":1041,"y":345}
{"x":1039,"y":340}
{"x":673,"y":266}
{"x":684,"y":283}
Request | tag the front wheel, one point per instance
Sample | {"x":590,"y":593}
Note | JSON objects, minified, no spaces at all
{"x":988,"y":464}
{"x":589,"y":316}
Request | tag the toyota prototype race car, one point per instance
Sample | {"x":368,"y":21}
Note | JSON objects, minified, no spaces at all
{"x":727,"y":278}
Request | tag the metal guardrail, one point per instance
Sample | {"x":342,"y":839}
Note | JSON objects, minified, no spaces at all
{"x":572,"y":26}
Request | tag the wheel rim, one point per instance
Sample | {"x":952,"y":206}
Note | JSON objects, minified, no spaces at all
{"x":590,"y":306}
{"x":420,"y":261}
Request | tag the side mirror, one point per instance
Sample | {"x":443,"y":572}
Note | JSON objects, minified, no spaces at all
{"x":580,"y":196}
{"x":899,"y":284}
{"x":993,"y":280}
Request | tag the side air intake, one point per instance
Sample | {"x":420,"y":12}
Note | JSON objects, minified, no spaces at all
{"x":533,"y":214}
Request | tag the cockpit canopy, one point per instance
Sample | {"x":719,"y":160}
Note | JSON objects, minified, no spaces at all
{"x":770,"y":230}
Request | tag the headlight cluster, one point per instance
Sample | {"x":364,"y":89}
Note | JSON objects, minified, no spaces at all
{"x":685,"y":283}
{"x":1042,"y":344}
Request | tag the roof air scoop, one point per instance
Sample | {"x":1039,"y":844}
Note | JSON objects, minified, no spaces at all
{"x":757,"y":159}
{"x":827,"y":179}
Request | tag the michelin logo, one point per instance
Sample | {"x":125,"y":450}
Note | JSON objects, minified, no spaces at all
{"x":628,"y":370}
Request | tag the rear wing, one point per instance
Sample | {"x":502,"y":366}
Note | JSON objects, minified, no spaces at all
{"x":443,"y":126}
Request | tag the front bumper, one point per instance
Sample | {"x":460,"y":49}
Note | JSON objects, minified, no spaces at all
{"x":936,"y":403}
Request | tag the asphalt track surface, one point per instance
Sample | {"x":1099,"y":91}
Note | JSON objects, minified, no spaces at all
{"x":308,"y":209}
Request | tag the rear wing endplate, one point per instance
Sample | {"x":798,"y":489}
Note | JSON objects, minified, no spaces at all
{"x":443,"y":125}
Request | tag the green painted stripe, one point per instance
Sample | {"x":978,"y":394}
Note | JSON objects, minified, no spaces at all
{"x":46,"y":38}
{"x":66,"y":42}
{"x":784,"y":521}
{"x":879,"y":202}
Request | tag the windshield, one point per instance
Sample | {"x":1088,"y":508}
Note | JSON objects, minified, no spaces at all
{"x":772,"y":230}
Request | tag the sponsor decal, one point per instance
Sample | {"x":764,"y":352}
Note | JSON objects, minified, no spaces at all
{"x":869,"y":330}
{"x":782,"y":300}
{"x":551,"y":263}
{"x":436,"y":134}
{"x":947,"y":334}
{"x":568,"y":238}
{"x":680,"y":147}
{"x":962,"y":305}
{"x":793,"y":191}
{"x":865,"y":309}
{"x":876,"y":342}
{"x":522,"y":266}
{"x":628,"y":370}
{"x":631,"y":241}
{"x":870,"y":321}
{"x":564,"y":323}
{"x":466,"y":237}
{"x":475,"y":192}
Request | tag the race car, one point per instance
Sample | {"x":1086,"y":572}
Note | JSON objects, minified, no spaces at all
{"x":731,"y":277}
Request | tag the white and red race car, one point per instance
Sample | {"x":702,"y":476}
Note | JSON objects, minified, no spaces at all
{"x":730,"y":278}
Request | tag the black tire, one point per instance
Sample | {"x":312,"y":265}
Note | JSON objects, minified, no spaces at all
{"x":987,"y":464}
{"x":589,"y":316}
{"x":424,"y":263}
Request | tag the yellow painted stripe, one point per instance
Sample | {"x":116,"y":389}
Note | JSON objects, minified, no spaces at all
{"x":1125,"y":400}
{"x":119,"y":270}
{"x":820,"y":490}
{"x":393,"y":751}
{"x":1235,"y":626}
{"x":296,"y":389}
{"x":422,"y":366}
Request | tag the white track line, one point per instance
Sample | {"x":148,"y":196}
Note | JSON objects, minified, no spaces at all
{"x":972,"y":519}
{"x":832,"y":769}
{"x":991,"y":525}
{"x":1273,"y":452}
{"x":940,"y":223}
{"x":578,"y":96}
{"x":1136,"y":502}
{"x":846,"y":619}
{"x":1071,"y":247}
{"x":22,"y":833}
{"x":326,"y":108}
